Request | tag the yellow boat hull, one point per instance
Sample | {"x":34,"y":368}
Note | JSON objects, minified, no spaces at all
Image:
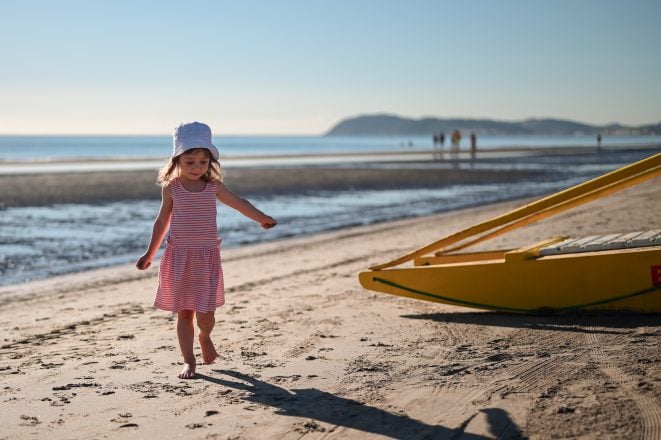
{"x":626,"y":279}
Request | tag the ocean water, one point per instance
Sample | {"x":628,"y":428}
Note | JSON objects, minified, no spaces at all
{"x":38,"y":242}
{"x":30,"y":148}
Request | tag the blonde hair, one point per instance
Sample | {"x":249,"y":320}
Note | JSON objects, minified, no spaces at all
{"x":171,"y":169}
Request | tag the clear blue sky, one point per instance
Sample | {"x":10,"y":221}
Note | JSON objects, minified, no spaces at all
{"x":298,"y":67}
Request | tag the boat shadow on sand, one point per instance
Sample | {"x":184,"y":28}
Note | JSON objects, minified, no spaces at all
{"x":586,"y":322}
{"x":319,"y":405}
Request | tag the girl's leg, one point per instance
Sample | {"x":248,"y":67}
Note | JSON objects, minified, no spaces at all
{"x":186,"y":334}
{"x":206,"y":321}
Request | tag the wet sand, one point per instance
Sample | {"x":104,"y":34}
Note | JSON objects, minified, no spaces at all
{"x":109,"y":186}
{"x":305,"y":351}
{"x":23,"y":188}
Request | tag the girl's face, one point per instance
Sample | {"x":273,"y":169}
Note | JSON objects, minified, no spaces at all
{"x":194,"y":165}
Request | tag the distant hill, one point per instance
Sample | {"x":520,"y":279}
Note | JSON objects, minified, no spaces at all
{"x":391,"y":125}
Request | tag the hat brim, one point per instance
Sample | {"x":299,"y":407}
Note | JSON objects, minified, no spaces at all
{"x":181,"y":150}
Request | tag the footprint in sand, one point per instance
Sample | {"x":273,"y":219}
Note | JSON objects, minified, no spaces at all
{"x":76,"y":385}
{"x":29,"y":421}
{"x":123,"y":418}
{"x":195,"y":425}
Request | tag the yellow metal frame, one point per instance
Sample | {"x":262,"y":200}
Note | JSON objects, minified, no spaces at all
{"x":548,"y":206}
{"x":519,"y":280}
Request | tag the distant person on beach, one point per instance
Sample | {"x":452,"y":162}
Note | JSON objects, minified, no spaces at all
{"x":456,"y":141}
{"x":437,"y":151}
{"x":598,"y":141}
{"x":441,"y":144}
{"x":190,"y":276}
{"x":473,"y":145}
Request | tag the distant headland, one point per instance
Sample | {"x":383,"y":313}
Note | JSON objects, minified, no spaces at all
{"x":392,"y":125}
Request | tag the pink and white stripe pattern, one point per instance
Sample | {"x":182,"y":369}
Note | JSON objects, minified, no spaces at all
{"x":190,"y":275}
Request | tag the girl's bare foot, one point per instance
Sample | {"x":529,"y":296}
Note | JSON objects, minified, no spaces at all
{"x":209,"y":353}
{"x":188,"y":372}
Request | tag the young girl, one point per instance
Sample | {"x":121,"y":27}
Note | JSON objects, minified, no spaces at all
{"x":190,"y":278}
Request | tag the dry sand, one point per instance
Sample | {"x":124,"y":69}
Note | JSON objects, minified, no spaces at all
{"x":305,"y":352}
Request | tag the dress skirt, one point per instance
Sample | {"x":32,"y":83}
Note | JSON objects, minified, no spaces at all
{"x":190,"y":278}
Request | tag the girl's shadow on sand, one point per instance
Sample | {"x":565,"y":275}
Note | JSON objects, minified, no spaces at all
{"x":319,"y":405}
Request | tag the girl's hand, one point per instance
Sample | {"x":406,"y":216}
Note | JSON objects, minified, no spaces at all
{"x":143,"y":262}
{"x":268,"y":222}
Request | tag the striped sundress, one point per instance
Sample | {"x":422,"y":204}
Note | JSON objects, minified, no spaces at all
{"x":190,"y":276}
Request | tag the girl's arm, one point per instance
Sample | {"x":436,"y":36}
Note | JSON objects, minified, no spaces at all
{"x":160,"y":228}
{"x":244,"y":207}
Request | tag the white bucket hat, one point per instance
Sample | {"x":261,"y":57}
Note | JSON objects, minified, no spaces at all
{"x":189,"y":135}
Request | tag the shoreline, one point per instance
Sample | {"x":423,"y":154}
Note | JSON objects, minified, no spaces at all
{"x":89,"y":164}
{"x":57,"y":223}
{"x":577,"y":148}
{"x":107,"y":185}
{"x":305,"y":350}
{"x":647,"y":196}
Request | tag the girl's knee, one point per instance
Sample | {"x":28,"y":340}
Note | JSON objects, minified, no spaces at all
{"x":186,"y":315}
{"x":205,"y":319}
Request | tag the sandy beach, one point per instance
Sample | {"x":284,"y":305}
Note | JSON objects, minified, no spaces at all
{"x":349,"y":136}
{"x":306,"y":352}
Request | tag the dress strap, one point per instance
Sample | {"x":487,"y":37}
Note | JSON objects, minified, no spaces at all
{"x":212,"y":186}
